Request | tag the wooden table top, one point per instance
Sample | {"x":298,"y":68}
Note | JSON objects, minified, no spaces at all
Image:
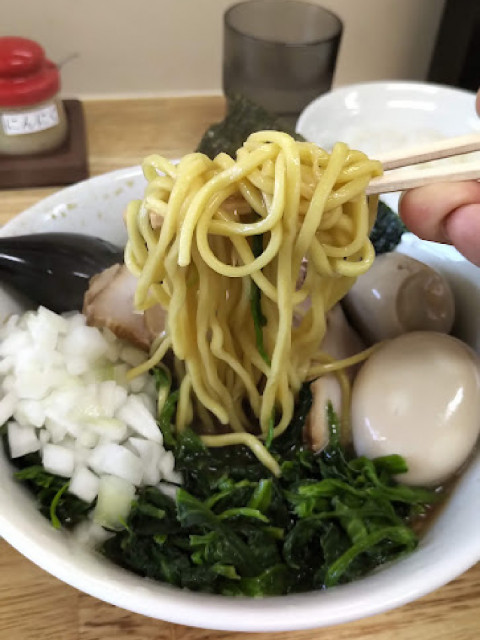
{"x":36,"y":606}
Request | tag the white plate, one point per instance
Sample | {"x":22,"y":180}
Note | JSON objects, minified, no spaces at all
{"x":381,"y":116}
{"x":450,"y":547}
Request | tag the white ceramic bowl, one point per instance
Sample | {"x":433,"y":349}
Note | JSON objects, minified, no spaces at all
{"x":377,"y":117}
{"x":380,"y":116}
{"x":451,"y":546}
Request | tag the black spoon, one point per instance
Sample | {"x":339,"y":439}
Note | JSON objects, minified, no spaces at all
{"x":54,"y":269}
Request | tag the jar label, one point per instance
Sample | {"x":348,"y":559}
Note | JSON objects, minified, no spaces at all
{"x":24,"y":122}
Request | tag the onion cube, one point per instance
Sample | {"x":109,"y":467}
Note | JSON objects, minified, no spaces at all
{"x":114,"y":501}
{"x":74,"y":320}
{"x":21,"y":440}
{"x":7,"y":406}
{"x":56,"y":320}
{"x":44,"y":437}
{"x":87,"y":438}
{"x":90,"y":534}
{"x":84,"y":484}
{"x":137,"y":384}
{"x":8,"y":383}
{"x":56,"y":429}
{"x":64,"y":400}
{"x":110,"y":429}
{"x":43,"y":328}
{"x":167,"y":466}
{"x":32,"y":384}
{"x":116,"y":460}
{"x":77,"y":365}
{"x":59,"y":460}
{"x":111,"y":397}
{"x":150,"y":453}
{"x":17,"y":342}
{"x":132,"y":356}
{"x":6,"y":364}
{"x":30,"y":412}
{"x":138,"y":417}
{"x":85,"y":342}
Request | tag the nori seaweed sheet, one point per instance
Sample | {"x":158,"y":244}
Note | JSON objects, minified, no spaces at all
{"x":243,"y":118}
{"x":387,"y":230}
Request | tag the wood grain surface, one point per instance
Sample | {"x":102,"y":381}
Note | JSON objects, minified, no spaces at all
{"x":36,"y":606}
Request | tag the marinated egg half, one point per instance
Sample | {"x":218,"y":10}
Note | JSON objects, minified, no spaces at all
{"x":399,"y":294}
{"x":419,"y":396}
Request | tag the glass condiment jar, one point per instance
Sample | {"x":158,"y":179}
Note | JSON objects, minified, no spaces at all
{"x":32,"y":116}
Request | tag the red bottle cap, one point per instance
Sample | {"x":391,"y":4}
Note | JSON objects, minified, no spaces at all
{"x":26,"y":76}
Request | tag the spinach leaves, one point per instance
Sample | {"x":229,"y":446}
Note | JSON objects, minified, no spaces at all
{"x":63,"y":509}
{"x":237,"y":530}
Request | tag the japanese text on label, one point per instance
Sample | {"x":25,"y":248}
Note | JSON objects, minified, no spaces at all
{"x":20,"y":123}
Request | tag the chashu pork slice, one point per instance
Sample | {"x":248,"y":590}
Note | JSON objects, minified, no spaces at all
{"x":108,"y":302}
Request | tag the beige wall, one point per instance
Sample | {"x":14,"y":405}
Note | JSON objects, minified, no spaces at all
{"x":151,"y":47}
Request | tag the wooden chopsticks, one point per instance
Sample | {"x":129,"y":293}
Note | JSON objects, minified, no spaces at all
{"x":410,"y":157}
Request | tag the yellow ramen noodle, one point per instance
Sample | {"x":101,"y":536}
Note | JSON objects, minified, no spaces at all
{"x":191,"y":245}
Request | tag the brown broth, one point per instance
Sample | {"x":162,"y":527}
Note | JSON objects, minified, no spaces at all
{"x":422,"y":523}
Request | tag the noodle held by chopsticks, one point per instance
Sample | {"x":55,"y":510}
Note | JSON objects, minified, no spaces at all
{"x":190,"y":245}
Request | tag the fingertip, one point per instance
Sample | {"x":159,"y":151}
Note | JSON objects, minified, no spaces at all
{"x":421,"y":211}
{"x":462,"y":227}
{"x":424,"y":210}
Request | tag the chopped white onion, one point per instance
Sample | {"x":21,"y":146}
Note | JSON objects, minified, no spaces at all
{"x":110,"y":429}
{"x":114,"y":459}
{"x":167,"y":465}
{"x":84,"y":484}
{"x":6,"y":365}
{"x":56,"y":429}
{"x":131,"y":355}
{"x":137,"y":416}
{"x":64,"y":393}
{"x":77,"y":365}
{"x":44,"y":327}
{"x":44,"y":437}
{"x":85,"y":342}
{"x":87,"y":438}
{"x":111,"y":397}
{"x":7,"y":406}
{"x":15,"y":343}
{"x":150,"y":454}
{"x":90,"y":534}
{"x":30,"y":412}
{"x":137,"y":384}
{"x":8,"y":383}
{"x":114,"y":501}
{"x":58,"y":459}
{"x":31,"y":384}
{"x":21,"y":439}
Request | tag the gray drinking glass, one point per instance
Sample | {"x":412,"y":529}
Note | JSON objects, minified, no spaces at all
{"x":280,"y":54}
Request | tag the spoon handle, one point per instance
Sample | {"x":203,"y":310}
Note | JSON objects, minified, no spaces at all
{"x":54,"y":269}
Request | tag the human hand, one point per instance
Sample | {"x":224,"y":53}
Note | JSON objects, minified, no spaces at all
{"x":447,"y":212}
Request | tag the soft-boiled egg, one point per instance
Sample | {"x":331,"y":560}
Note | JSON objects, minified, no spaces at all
{"x":419,"y":396}
{"x":399,"y":294}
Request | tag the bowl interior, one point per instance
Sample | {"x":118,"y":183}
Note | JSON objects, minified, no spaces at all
{"x":96,"y":207}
